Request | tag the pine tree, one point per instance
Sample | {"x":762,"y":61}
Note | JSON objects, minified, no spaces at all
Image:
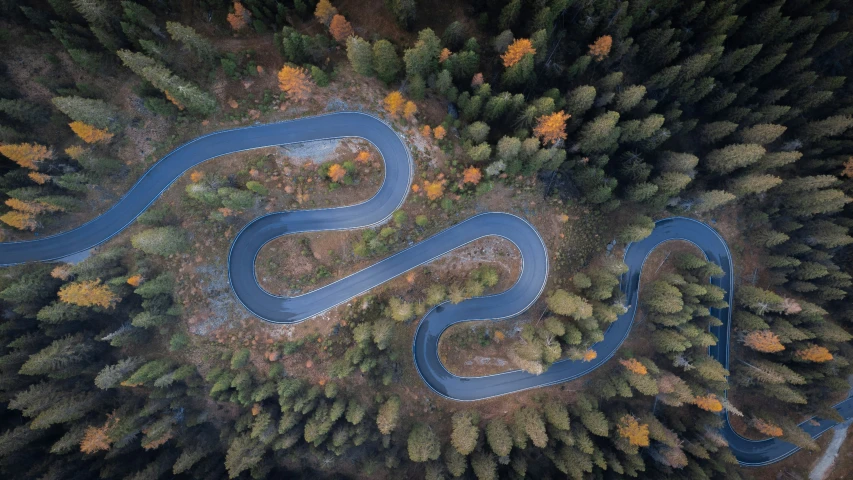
{"x":498,"y":437}
{"x":24,"y":111}
{"x":423,"y":444}
{"x":422,"y":58}
{"x":466,"y":431}
{"x":360,"y":55}
{"x":762,"y":134}
{"x":600,"y":134}
{"x":710,"y":200}
{"x":389,"y":415}
{"x":733,"y":157}
{"x":484,"y":465}
{"x":97,"y":113}
{"x":755,"y":183}
{"x":386,"y":62}
{"x":193,"y":41}
{"x":629,"y":98}
{"x":162,"y":241}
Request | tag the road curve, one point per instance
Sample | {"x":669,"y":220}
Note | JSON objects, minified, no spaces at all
{"x":376,"y":210}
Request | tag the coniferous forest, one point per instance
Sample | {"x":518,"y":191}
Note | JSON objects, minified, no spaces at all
{"x":593,"y":119}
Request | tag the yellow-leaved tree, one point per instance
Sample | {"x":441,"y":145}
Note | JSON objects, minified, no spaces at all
{"x":410,"y":110}
{"x":19,"y":220}
{"x":394,"y":103}
{"x":434,"y":190}
{"x":709,"y":403}
{"x":635,"y":432}
{"x":634,"y":366}
{"x":295,"y":82}
{"x":40,"y":178}
{"x":26,"y":155}
{"x":814,"y":353}
{"x":552,"y":128}
{"x":516,"y":51}
{"x":767,"y":428}
{"x":325,"y":12}
{"x":90,"y":134}
{"x":439,"y":132}
{"x":88,"y":293}
{"x":589,"y":355}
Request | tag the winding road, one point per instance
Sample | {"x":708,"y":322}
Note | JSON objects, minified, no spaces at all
{"x":399,"y":169}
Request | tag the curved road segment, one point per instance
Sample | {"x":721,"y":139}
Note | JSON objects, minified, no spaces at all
{"x":392,"y":193}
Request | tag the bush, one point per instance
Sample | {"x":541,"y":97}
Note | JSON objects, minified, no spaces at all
{"x":400,"y":217}
{"x":421,"y":220}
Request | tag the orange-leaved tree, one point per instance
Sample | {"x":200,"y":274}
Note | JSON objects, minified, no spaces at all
{"x":135,"y":280}
{"x":19,"y":220}
{"x":439,"y":132}
{"x":637,"y":433}
{"x":767,"y":428}
{"x":337,"y":173}
{"x":90,"y":134}
{"x":471,"y":175}
{"x":477,"y":80}
{"x":635,"y":366}
{"x":600,"y":49}
{"x":325,"y":11}
{"x":62,"y":272}
{"x":709,"y":403}
{"x":295,"y":82}
{"x":363,"y":156}
{"x":34,"y":208}
{"x":40,"y":178}
{"x":434,"y":190}
{"x":394,"y":102}
{"x":240,"y":18}
{"x":814,"y":353}
{"x":196,"y":176}
{"x":444,"y":55}
{"x":517,"y":51}
{"x":88,"y":293}
{"x":340,"y":28}
{"x":26,"y":155}
{"x":552,"y":128}
{"x":97,"y":439}
{"x":589,"y":355}
{"x":409,"y":110}
{"x":764,"y":341}
{"x":426,"y":131}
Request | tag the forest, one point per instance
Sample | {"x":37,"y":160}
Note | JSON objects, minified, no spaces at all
{"x":606,"y":115}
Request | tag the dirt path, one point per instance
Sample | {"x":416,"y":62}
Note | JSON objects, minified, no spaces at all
{"x":826,"y":462}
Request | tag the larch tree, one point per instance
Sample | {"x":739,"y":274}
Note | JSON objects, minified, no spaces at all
{"x":439,"y":132}
{"x":471,"y":175}
{"x":88,"y":293}
{"x":763,"y":341}
{"x":393,"y":103}
{"x":767,"y":428}
{"x":340,"y":28}
{"x":434,"y":190}
{"x":239,"y":18}
{"x":551,"y":128}
{"x":192,"y":40}
{"x":325,"y":12}
{"x":600,"y":49}
{"x":336,"y":173}
{"x":466,"y":431}
{"x":27,"y":155}
{"x":814,"y":353}
{"x":409,"y":110}
{"x":516,"y":51}
{"x":295,"y":82}
{"x":634,"y":366}
{"x":389,"y":415}
{"x":498,"y":437}
{"x":635,"y":432}
{"x":90,"y":134}
{"x":19,"y":220}
{"x":709,"y":403}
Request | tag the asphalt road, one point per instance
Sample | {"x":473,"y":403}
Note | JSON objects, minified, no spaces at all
{"x":392,"y":193}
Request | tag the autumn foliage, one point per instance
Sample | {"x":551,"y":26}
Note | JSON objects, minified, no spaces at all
{"x":767,"y":428}
{"x":363,"y":156}
{"x":90,"y":134}
{"x":26,"y":155}
{"x":40,"y":178}
{"x":552,"y":128}
{"x":709,"y":403}
{"x":814,"y":353}
{"x":439,"y":132}
{"x":637,"y":433}
{"x":394,"y":103}
{"x":426,"y":131}
{"x":590,"y":355}
{"x":471,"y":175}
{"x":764,"y":341}
{"x":75,"y":151}
{"x":434,"y":190}
{"x":600,"y":49}
{"x":325,"y":12}
{"x":477,"y":80}
{"x":240,"y":18}
{"x":634,"y":366}
{"x":88,"y":293}
{"x":135,"y":280}
{"x":19,"y":220}
{"x":409,"y":110}
{"x":34,"y":208}
{"x":295,"y":82}
{"x":444,"y":55}
{"x":337,"y":173}
{"x":340,"y":28}
{"x":196,"y":176}
{"x":517,"y":51}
